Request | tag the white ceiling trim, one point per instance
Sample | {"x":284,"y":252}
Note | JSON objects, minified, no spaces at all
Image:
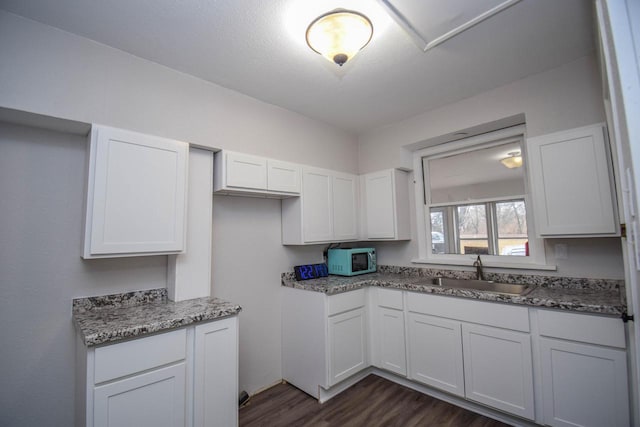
{"x":421,"y":40}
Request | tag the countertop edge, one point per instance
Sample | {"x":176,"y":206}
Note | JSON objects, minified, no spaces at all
{"x":97,"y":339}
{"x":112,"y":318}
{"x":567,"y":304}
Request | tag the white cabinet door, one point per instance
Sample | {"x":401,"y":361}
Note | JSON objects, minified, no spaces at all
{"x":498,"y":369}
{"x":317,"y":205}
{"x":583,"y":385}
{"x":435,"y":352}
{"x":136,"y":196}
{"x":327,"y":210}
{"x":153,"y":399}
{"x":345,"y":226}
{"x":572,"y":183}
{"x":246,"y":171}
{"x":347,"y":344}
{"x":391,"y":340}
{"x":216,"y":374}
{"x":385,"y":205}
{"x":283,"y":176}
{"x":379,"y":205}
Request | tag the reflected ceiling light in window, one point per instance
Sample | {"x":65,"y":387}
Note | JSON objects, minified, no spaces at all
{"x":513,"y":161}
{"x":340,"y":34}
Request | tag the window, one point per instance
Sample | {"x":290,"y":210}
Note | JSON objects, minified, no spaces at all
{"x":503,"y":231}
{"x":473,"y":204}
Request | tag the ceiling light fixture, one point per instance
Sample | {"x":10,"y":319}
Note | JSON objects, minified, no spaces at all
{"x":513,"y":161}
{"x":340,"y":34}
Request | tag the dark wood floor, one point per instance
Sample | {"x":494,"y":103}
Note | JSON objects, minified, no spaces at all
{"x":372,"y":402}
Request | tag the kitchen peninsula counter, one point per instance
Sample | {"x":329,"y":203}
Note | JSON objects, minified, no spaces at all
{"x":110,"y":318}
{"x":597,"y":296}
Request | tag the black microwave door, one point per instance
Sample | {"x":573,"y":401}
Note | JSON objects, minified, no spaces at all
{"x":359,"y":262}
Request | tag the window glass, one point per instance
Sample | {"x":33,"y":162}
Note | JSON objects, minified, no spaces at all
{"x":511,"y":221}
{"x":476,"y":202}
{"x":438,"y":231}
{"x":473,"y":237}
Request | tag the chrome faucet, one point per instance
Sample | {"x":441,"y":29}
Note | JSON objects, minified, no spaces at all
{"x":478,"y":265}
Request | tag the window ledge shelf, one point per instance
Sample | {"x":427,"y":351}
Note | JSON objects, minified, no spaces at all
{"x":486,"y":263}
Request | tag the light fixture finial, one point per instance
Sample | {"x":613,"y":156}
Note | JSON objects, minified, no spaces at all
{"x":340,"y":34}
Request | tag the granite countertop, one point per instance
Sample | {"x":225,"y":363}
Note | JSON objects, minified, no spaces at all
{"x":109,"y":318}
{"x":575,"y":294}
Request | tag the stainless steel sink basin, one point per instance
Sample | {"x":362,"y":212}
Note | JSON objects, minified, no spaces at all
{"x":481,"y":285}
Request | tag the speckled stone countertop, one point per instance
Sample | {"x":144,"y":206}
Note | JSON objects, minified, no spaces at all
{"x":110,"y":318}
{"x":575,"y":294}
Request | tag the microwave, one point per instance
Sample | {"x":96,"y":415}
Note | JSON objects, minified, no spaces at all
{"x":351,"y":262}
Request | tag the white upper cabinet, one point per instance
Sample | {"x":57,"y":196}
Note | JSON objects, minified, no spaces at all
{"x":385,"y":205}
{"x":345,"y":187}
{"x":246,"y":171}
{"x":136,"y":194}
{"x":243,"y":174}
{"x":572,"y":183}
{"x":317,"y":206}
{"x":326,"y":210}
{"x":283,"y":176}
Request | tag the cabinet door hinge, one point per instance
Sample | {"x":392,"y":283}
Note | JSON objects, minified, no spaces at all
{"x":623,"y":230}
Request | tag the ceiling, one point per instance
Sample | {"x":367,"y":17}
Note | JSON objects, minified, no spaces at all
{"x":257,"y":47}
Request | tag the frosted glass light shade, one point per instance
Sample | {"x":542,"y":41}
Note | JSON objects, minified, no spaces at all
{"x":339,"y":35}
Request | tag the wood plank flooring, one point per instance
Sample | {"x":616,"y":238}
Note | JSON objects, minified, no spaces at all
{"x":372,"y":402}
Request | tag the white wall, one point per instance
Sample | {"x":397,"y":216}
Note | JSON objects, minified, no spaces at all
{"x":246,"y":268}
{"x":54,"y":73}
{"x":41,"y":193}
{"x":562,"y":98}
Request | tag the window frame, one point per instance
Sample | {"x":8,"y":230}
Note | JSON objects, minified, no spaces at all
{"x":536,"y":259}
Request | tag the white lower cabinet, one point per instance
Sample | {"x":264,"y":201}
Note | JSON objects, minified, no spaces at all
{"x":498,"y":369}
{"x":152,"y":399}
{"x":435,"y":352}
{"x":324,"y":338}
{"x":391,"y":341}
{"x":485,"y":352}
{"x":347,"y":344}
{"x":178,"y":378}
{"x":584,"y":370}
{"x":387,"y":331}
{"x":216,"y":374}
{"x":583,"y":385}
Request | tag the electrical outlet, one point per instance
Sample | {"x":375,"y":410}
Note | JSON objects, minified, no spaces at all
{"x":561,"y":251}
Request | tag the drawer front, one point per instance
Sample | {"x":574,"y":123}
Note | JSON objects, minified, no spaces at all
{"x":593,"y":329}
{"x":346,"y":301}
{"x":118,"y":360}
{"x":474,"y":311}
{"x":390,"y":299}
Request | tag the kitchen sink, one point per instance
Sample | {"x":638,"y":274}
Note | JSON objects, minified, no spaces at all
{"x":481,"y":285}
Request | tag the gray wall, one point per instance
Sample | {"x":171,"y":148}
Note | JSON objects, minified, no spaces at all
{"x":41,"y":196}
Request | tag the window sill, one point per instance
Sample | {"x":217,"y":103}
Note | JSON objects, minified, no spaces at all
{"x":486,"y":263}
